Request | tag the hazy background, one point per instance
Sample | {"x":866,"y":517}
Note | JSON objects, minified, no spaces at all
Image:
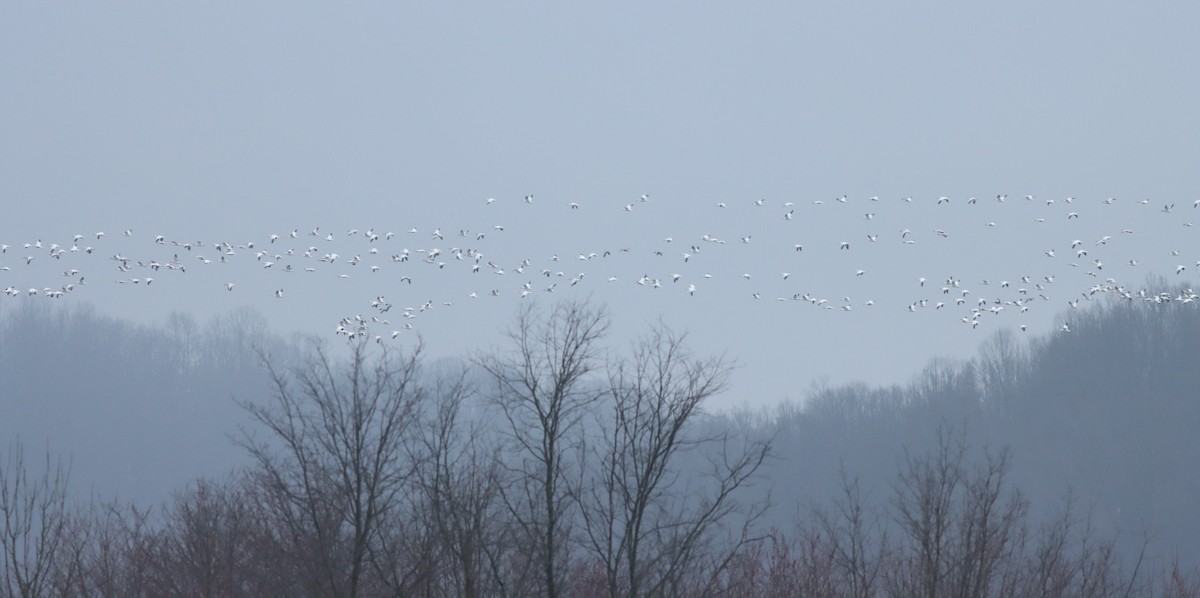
{"x":234,"y":121}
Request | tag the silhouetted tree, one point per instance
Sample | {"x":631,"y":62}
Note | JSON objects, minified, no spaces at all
{"x":852,"y":536}
{"x":457,"y":485}
{"x":542,"y":389}
{"x":645,"y":519}
{"x":206,"y":545}
{"x":33,"y":523}
{"x":958,"y":526}
{"x":335,"y":464}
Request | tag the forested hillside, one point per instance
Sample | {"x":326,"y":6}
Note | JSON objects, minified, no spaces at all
{"x":1105,"y":415}
{"x":139,"y":410}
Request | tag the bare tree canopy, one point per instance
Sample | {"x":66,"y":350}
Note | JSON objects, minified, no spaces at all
{"x":33,"y":522}
{"x":541,"y":386}
{"x":643,"y":525}
{"x":334,"y":467}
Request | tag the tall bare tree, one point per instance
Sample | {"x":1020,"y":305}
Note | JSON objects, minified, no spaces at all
{"x":543,"y":389}
{"x":851,"y":534}
{"x":118,"y":551}
{"x":646,"y":519}
{"x":33,"y":523}
{"x":958,"y":525}
{"x":335,"y":463}
{"x":458,"y":482}
{"x":205,"y":545}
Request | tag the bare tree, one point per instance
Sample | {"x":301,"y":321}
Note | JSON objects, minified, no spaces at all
{"x":924,"y":509}
{"x":1178,"y":584}
{"x":205,"y":547}
{"x":1067,"y":558}
{"x":1003,"y":363}
{"x":959,"y":525}
{"x":988,"y":529}
{"x":33,"y":523}
{"x":852,"y":536}
{"x":458,"y":482}
{"x":119,"y":555}
{"x":336,"y":465}
{"x":542,"y":388}
{"x":645,"y":518}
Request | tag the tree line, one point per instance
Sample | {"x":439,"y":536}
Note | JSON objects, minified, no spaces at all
{"x":555,"y":466}
{"x":539,"y":469}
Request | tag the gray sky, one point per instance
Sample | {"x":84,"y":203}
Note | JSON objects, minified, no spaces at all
{"x":237,"y":121}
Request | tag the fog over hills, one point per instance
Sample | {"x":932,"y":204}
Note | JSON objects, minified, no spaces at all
{"x":1105,"y":414}
{"x":940,"y":258}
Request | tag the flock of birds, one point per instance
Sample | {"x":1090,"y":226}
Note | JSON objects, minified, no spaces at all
{"x":794,"y":253}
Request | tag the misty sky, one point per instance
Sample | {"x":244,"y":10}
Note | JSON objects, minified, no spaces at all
{"x":232,"y":122}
